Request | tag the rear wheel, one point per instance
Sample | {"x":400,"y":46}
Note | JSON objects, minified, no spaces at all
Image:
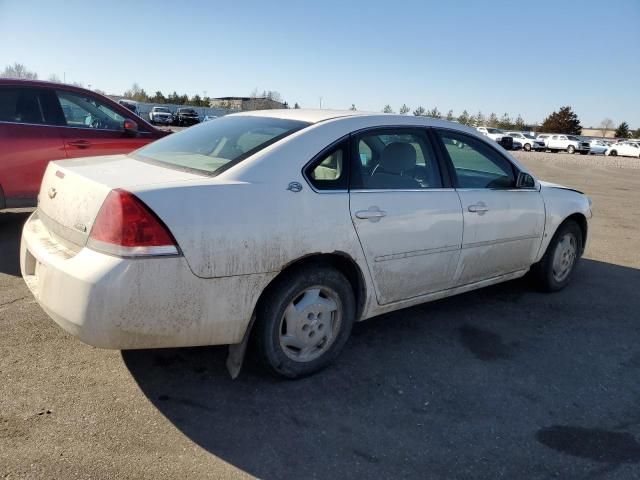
{"x":304,"y":321}
{"x":613,"y":153}
{"x":571,"y":149}
{"x":527,"y":147}
{"x":553,"y":272}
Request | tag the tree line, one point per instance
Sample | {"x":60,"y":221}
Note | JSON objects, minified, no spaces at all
{"x":565,"y":120}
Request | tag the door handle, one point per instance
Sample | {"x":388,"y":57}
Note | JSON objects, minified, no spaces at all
{"x":479,"y":208}
{"x":373,"y":213}
{"x":79,"y":143}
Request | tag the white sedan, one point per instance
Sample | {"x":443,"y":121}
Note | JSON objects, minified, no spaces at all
{"x":624,"y":149}
{"x":287,"y":227}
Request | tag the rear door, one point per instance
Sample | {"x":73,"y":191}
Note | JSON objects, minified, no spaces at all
{"x":29,"y":139}
{"x":94,"y":128}
{"x":503,"y":225}
{"x":408,"y":220}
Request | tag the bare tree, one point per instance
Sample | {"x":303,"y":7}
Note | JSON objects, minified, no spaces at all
{"x":54,"y":78}
{"x":18,"y":70}
{"x":606,"y":125}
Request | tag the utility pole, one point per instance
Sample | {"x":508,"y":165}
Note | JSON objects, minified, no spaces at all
{"x":320,"y":103}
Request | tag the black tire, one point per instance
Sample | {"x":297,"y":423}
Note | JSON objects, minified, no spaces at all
{"x":268,"y":327}
{"x":542,"y":272}
{"x":571,"y":149}
{"x":613,"y":153}
{"x":527,"y":147}
{"x":584,"y":153}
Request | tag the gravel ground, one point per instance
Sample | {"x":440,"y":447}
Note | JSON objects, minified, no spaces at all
{"x":501,"y":383}
{"x":581,"y":160}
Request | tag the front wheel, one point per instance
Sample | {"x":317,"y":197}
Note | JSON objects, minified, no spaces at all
{"x":527,"y":147}
{"x":613,"y":153}
{"x":571,"y":149}
{"x":304,"y":321}
{"x":553,"y":271}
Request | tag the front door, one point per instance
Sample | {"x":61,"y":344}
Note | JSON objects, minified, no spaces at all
{"x":409,"y":225}
{"x":503,"y":225}
{"x":93,"y":128}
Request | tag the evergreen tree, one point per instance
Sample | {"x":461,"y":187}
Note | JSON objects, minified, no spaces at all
{"x":434,"y":113}
{"x":563,"y":121}
{"x":622,"y":131}
{"x":480,"y":120}
{"x":404,"y":109}
{"x":450,"y":116}
{"x":464,"y":118}
{"x":419,"y":112}
{"x":492,"y":121}
{"x":387,"y":109}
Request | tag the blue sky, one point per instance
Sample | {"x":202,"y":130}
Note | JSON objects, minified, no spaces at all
{"x":525,"y":58}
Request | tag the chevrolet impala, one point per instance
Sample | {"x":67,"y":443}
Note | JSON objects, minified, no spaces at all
{"x":286,"y":227}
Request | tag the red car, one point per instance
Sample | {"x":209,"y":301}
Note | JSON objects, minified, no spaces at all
{"x":43,"y":121}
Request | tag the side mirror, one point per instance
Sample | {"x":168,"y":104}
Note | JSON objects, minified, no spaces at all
{"x":130,"y":127}
{"x":525,"y":181}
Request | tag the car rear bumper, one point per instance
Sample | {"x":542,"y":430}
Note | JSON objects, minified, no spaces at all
{"x":111,"y":302}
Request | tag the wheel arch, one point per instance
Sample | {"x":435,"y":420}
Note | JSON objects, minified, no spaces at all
{"x":581,"y":220}
{"x":338,"y":260}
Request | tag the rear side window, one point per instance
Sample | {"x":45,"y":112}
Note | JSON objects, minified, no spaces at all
{"x":395,"y":159}
{"x":213,"y":147}
{"x":22,"y":105}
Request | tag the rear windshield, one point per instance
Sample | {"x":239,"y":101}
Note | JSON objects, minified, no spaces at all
{"x":215,"y":146}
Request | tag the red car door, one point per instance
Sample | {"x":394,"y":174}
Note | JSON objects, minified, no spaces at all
{"x":29,"y":139}
{"x":95,"y":128}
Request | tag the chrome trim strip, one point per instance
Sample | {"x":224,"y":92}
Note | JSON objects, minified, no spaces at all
{"x":499,"y":241}
{"x":396,"y":190}
{"x":417,"y":253}
{"x":64,"y":233}
{"x":145,"y":132}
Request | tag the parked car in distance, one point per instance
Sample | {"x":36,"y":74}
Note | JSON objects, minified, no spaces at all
{"x":208,"y":118}
{"x":568,"y":143}
{"x":493,"y":133}
{"x":528,"y":142}
{"x":186,"y":117}
{"x":543,"y":138}
{"x":597,"y":147}
{"x":43,"y":121}
{"x":160,"y":115}
{"x":129,"y":104}
{"x":417,"y":209}
{"x":624,"y":149}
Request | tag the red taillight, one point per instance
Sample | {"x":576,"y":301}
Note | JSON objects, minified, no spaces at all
{"x":127,"y":227}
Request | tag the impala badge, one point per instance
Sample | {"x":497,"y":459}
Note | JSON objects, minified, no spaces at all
{"x":294,"y":187}
{"x":52,"y":193}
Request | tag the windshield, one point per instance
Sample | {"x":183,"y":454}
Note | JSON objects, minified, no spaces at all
{"x":494,"y":130}
{"x":214,"y":146}
{"x":161,"y":110}
{"x":186,"y":110}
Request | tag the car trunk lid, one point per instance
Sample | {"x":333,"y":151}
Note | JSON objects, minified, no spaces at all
{"x":73,"y":191}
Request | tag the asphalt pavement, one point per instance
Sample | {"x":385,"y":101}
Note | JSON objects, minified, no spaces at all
{"x":503,"y":382}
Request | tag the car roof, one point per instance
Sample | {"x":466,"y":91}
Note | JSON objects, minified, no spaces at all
{"x":383,"y":119}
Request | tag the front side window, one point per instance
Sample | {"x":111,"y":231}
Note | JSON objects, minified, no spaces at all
{"x":212,"y":147}
{"x":477,"y":165}
{"x":84,"y":111}
{"x":21,"y":105}
{"x":397,"y":159}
